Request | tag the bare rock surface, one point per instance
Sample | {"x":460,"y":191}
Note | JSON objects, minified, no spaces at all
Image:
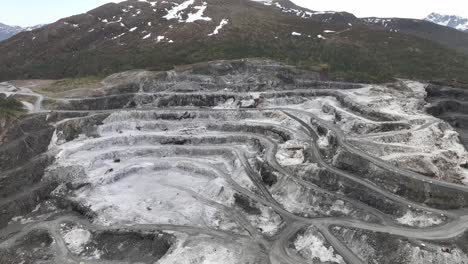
{"x":246,"y":161}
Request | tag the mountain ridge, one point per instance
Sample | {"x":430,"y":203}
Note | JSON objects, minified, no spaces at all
{"x":7,"y":31}
{"x":159,"y":34}
{"x":447,"y":36}
{"x":453,"y":21}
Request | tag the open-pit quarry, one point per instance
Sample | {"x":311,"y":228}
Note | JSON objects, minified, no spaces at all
{"x":246,"y":161}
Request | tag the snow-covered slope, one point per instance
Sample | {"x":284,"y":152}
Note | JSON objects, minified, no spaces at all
{"x":7,"y":31}
{"x":456,"y":22}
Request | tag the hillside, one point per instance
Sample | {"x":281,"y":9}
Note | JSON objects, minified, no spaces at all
{"x":157,"y":35}
{"x":441,"y":34}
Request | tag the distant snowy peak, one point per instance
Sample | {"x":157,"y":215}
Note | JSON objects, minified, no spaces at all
{"x":7,"y":28}
{"x":7,"y":31}
{"x":456,"y":22}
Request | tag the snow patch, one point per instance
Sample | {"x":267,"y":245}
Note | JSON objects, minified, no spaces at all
{"x":73,"y":25}
{"x":192,"y":17}
{"x":118,"y":36}
{"x":265,"y":2}
{"x":219,"y":27}
{"x":302,"y":13}
{"x":149,"y":2}
{"x":174,"y":13}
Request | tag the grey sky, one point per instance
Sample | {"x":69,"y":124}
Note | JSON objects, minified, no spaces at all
{"x":394,"y":8}
{"x":33,"y":12}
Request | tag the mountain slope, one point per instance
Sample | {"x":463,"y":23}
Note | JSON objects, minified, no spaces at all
{"x":456,"y":22}
{"x":160,"y":34}
{"x":443,"y":35}
{"x":7,"y":31}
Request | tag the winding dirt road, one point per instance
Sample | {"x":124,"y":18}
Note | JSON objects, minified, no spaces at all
{"x":277,"y":246}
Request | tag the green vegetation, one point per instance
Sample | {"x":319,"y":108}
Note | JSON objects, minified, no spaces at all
{"x":340,"y":61}
{"x":65,"y":85}
{"x":25,"y":98}
{"x":357,"y":53}
{"x":10,"y":107}
{"x":374,"y":61}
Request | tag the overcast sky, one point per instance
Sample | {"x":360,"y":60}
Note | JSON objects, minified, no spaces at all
{"x":33,"y":12}
{"x":390,"y":8}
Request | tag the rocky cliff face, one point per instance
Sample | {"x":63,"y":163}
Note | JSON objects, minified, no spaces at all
{"x":5,"y":123}
{"x":244,"y":161}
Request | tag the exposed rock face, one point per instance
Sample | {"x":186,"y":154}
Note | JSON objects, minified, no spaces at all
{"x":398,"y":250}
{"x":448,"y":103}
{"x":246,"y":161}
{"x":24,"y":142}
